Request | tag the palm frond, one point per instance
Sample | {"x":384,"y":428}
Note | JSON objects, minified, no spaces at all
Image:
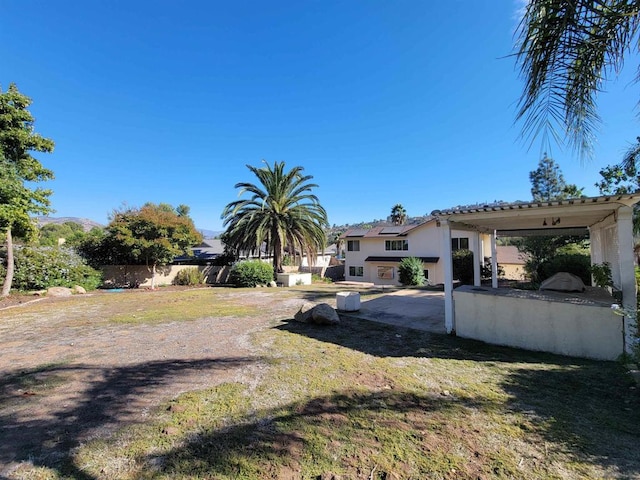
{"x":567,"y":49}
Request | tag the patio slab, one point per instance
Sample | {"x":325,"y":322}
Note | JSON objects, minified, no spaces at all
{"x":410,"y":308}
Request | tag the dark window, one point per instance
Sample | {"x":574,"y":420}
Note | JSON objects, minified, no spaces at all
{"x":356,"y":271}
{"x":353,"y":245}
{"x":396,"y":245}
{"x":460,"y":243}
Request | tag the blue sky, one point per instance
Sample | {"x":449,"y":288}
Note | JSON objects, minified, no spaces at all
{"x":409,"y":102}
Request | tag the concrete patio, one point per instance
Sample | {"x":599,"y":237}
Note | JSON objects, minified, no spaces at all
{"x":411,"y":308}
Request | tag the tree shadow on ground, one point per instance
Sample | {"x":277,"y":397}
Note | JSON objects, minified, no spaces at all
{"x":384,"y":340}
{"x":589,"y":410}
{"x":110,"y":400}
{"x":350,"y":431}
{"x":345,"y":430}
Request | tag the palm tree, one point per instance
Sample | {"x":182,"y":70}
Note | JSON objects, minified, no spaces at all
{"x":566,"y":50}
{"x":398,"y":214}
{"x":281,"y":212}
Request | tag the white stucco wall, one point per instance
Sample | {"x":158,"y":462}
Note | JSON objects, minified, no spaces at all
{"x":424,"y":241}
{"x":580,"y":329}
{"x":513,"y":271}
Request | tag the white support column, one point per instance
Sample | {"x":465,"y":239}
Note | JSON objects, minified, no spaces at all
{"x":447,"y":267}
{"x":627,"y":275}
{"x":494,"y":260}
{"x":477,"y":257}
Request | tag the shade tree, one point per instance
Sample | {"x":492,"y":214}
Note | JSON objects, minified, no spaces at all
{"x":19,"y":169}
{"x":151,"y":235}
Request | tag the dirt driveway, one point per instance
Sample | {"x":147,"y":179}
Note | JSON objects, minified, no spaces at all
{"x":67,"y":375}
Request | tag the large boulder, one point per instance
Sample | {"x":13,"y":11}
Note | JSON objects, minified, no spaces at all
{"x":321,"y":314}
{"x":304,"y":314}
{"x":59,"y":292}
{"x":563,"y":282}
{"x":79,"y":290}
{"x":324,"y":314}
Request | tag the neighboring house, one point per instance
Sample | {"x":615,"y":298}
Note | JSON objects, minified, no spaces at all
{"x":512,"y":262}
{"x":374,"y":255}
{"x":323,"y":258}
{"x":207,"y":251}
{"x":212,"y":248}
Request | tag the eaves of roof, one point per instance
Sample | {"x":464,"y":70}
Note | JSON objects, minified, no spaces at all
{"x":399,"y":259}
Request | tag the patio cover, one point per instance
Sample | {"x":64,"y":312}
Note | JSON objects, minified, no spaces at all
{"x":608,"y":219}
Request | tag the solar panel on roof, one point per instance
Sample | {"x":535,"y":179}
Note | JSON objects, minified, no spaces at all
{"x":391,"y":230}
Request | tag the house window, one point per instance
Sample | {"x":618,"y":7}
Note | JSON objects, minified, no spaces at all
{"x":426,"y":274}
{"x":356,"y":271}
{"x":396,"y":244}
{"x":385,"y":273}
{"x":461,"y":243}
{"x":353,"y":246}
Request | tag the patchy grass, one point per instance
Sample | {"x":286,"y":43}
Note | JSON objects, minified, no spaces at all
{"x":138,"y":307}
{"x":184,"y":305}
{"x":369,"y":401}
{"x":366,"y":400}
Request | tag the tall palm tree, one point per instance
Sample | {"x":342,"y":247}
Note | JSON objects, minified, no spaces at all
{"x":281,"y":212}
{"x":398,"y":214}
{"x":566,"y":50}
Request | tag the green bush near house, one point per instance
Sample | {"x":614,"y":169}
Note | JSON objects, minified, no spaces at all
{"x":38,"y":268}
{"x":250,"y":273}
{"x":463,"y":266}
{"x":189,"y":277}
{"x":411,"y":272}
{"x":577,"y":263}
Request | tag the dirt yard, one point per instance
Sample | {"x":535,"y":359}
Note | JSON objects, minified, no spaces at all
{"x":69,"y":376}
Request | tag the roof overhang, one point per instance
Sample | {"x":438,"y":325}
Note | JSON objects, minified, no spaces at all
{"x":547,"y":217}
{"x":399,"y":259}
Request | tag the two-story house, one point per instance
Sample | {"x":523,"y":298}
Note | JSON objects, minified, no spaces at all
{"x":374,"y":255}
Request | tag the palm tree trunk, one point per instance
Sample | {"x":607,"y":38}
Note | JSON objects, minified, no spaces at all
{"x":277,"y":254}
{"x":8,"y":279}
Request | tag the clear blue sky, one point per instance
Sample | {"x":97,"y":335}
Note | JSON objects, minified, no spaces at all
{"x":409,"y":102}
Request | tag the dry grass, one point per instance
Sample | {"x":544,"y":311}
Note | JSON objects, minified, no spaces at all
{"x":365,"y":400}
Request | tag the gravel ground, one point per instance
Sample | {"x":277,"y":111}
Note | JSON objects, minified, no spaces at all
{"x":64,"y":382}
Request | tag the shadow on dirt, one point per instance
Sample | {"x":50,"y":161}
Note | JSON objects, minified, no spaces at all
{"x":273,"y":443}
{"x":109,"y":401}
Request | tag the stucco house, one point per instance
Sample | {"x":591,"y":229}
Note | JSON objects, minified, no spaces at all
{"x":512,"y":262}
{"x":374,"y":255}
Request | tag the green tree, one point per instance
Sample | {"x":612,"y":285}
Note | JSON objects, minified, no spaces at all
{"x":153,"y":235}
{"x":18,"y":169}
{"x":547,"y":182}
{"x":567,"y":49}
{"x":71,"y":232}
{"x":622,"y":179}
{"x":398,"y":214}
{"x":281,"y":212}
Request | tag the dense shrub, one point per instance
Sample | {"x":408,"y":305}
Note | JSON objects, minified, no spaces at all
{"x":251,"y":273}
{"x":463,"y":266}
{"x":577,"y":263}
{"x":189,"y":276}
{"x":411,"y":271}
{"x":38,"y":268}
{"x":601,"y":274}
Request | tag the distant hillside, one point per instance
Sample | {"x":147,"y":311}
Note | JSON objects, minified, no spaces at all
{"x":85,"y":222}
{"x":89,"y":224}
